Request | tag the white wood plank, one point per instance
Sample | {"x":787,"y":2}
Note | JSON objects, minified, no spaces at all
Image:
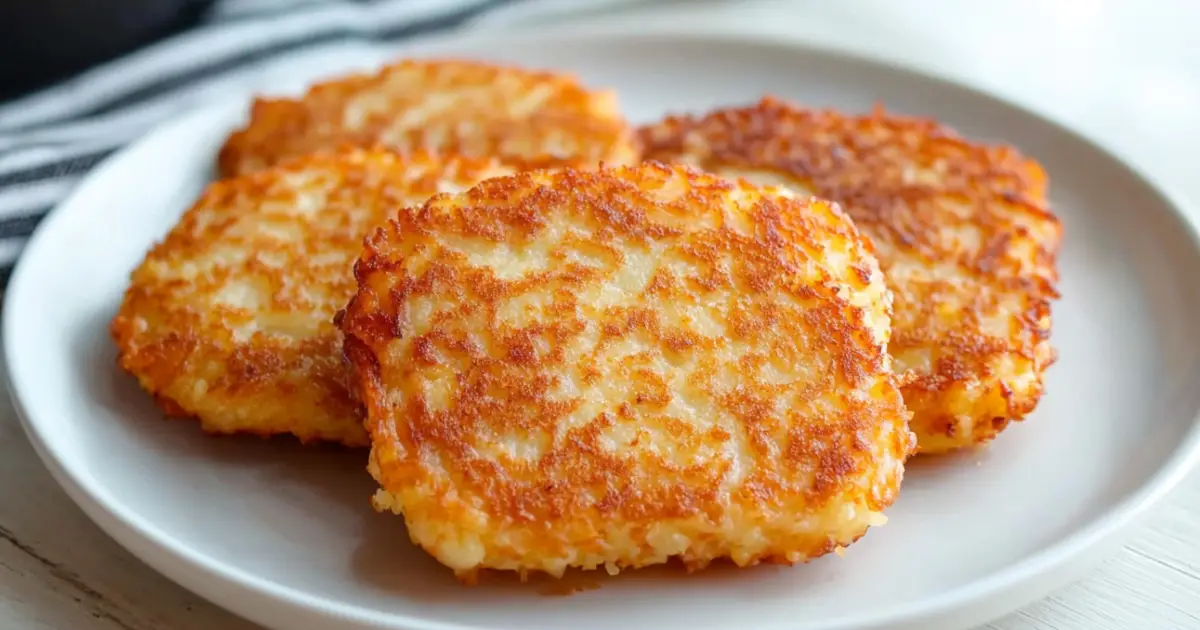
{"x":1154,"y":582}
{"x":34,"y":595}
{"x":59,"y":571}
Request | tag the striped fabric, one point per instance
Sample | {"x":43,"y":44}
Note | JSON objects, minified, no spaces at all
{"x":50,"y":139}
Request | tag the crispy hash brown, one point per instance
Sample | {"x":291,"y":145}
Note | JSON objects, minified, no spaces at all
{"x":230,"y":318}
{"x":610,"y":369}
{"x":961,"y":230}
{"x":522,"y":117}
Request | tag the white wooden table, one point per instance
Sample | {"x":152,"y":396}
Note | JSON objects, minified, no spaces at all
{"x":1128,"y":77}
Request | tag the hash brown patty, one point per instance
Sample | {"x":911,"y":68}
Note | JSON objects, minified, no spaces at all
{"x":522,"y":117}
{"x":962,"y":232}
{"x":230,"y":318}
{"x":610,"y":369}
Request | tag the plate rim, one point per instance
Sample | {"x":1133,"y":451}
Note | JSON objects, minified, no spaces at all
{"x":1052,"y":564}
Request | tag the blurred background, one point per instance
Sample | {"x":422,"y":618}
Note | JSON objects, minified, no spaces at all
{"x":79,"y":79}
{"x":46,"y":41}
{"x":43,"y":41}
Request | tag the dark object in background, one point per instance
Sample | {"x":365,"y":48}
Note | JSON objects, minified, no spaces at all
{"x":42,"y":41}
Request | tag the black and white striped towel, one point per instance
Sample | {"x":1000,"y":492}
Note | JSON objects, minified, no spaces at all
{"x":50,"y":139}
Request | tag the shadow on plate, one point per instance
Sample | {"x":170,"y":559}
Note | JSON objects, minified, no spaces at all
{"x":337,"y":474}
{"x":335,"y":478}
{"x":386,"y":560}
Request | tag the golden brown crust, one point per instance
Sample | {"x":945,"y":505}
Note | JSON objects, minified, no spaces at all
{"x":961,"y":230}
{"x":525,"y":118}
{"x":229,"y":319}
{"x":613,"y":368}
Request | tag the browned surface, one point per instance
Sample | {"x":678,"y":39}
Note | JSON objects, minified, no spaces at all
{"x":606,"y":370}
{"x":229,"y":319}
{"x":961,"y":229}
{"x":469,"y":108}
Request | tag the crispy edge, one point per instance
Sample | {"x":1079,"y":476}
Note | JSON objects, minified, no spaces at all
{"x":373,"y":319}
{"x":753,"y":137}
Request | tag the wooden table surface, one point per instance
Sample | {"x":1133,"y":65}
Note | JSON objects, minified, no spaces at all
{"x":1125,"y":75}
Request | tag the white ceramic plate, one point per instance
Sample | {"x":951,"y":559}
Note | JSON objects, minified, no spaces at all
{"x":283,"y":534}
